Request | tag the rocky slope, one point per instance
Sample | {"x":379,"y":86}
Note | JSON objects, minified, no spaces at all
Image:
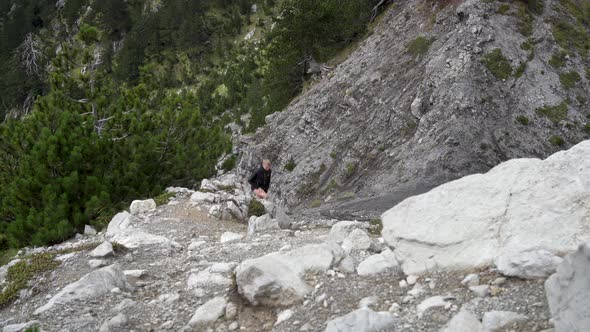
{"x":416,"y":105}
{"x":183,"y":267}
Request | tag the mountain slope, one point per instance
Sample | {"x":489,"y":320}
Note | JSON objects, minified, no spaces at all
{"x":433,"y":94}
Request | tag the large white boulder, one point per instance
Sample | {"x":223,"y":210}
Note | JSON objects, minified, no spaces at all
{"x":144,"y":206}
{"x":123,"y":229}
{"x":276,"y":279}
{"x":362,"y":320}
{"x":568,"y":292}
{"x":518,"y":206}
{"x":93,"y":284}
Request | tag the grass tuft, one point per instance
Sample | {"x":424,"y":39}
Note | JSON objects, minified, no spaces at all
{"x":497,"y":64}
{"x":555,"y":113}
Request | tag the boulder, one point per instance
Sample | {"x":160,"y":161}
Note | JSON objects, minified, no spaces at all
{"x":215,"y":211}
{"x":518,"y":206}
{"x":208,"y":185}
{"x":464,"y":321}
{"x":568,"y":292}
{"x":269,"y":206}
{"x":283,"y":219}
{"x":105,"y":249}
{"x":89,"y":230}
{"x":275,"y":279}
{"x":357,"y":240}
{"x":340,"y":230}
{"x":138,"y":207}
{"x":528,"y":264}
{"x":123,"y":230}
{"x":498,"y":320}
{"x":208,"y":312}
{"x":93,"y":284}
{"x":200,"y":197}
{"x":362,"y":320}
{"x":94,"y":263}
{"x":378,"y":263}
{"x":230,"y":237}
{"x":262,"y":223}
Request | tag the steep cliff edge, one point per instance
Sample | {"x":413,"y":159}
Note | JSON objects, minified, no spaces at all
{"x":435,"y":93}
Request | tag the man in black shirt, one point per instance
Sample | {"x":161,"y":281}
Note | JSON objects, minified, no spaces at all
{"x":260,"y":180}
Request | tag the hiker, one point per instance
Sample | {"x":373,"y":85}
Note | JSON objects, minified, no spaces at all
{"x":260,"y":180}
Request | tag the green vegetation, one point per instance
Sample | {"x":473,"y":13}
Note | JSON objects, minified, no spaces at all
{"x":569,"y":80}
{"x":350,"y":170}
{"x":290,"y":165}
{"x":7,"y":255}
{"x":163,"y":198}
{"x":332,"y":185}
{"x":255,"y":208}
{"x":520,"y":70}
{"x":554,"y":113}
{"x":535,"y":6}
{"x":315,"y":203}
{"x":308,"y":187}
{"x":556,"y":140}
{"x":558,"y":59}
{"x":526,"y":19}
{"x":581,"y":99}
{"x":153,"y":114}
{"x":418,"y":46}
{"x":19,"y":275}
{"x":503,"y":9}
{"x":376,"y":226}
{"x":574,"y":38}
{"x":523,"y":120}
{"x":497,"y":64}
{"x":587,"y":128}
{"x":229,"y":163}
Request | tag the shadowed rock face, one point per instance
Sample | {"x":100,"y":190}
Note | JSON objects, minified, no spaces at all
{"x":389,"y":124}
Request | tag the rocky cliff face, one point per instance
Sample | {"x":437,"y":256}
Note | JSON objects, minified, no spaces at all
{"x":435,"y":93}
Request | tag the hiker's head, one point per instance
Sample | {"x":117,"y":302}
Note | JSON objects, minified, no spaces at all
{"x":266,"y":164}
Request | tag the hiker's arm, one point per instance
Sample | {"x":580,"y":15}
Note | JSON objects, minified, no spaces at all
{"x":252,"y":179}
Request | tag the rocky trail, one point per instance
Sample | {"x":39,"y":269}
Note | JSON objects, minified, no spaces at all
{"x":441,"y":263}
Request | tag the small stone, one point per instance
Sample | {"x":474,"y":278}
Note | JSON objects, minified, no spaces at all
{"x":284,"y":316}
{"x":195,"y":245}
{"x":230,"y":237}
{"x":135,"y":273}
{"x":395,"y":307}
{"x":499,"y":281}
{"x":403,"y":284}
{"x":368,"y":301}
{"x":416,"y":291}
{"x":233,"y":326}
{"x":412,"y":279}
{"x":103,"y":250}
{"x":471,"y":280}
{"x":481,"y":290}
{"x":407,"y":299}
{"x":231,"y":311}
{"x":495,"y":290}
